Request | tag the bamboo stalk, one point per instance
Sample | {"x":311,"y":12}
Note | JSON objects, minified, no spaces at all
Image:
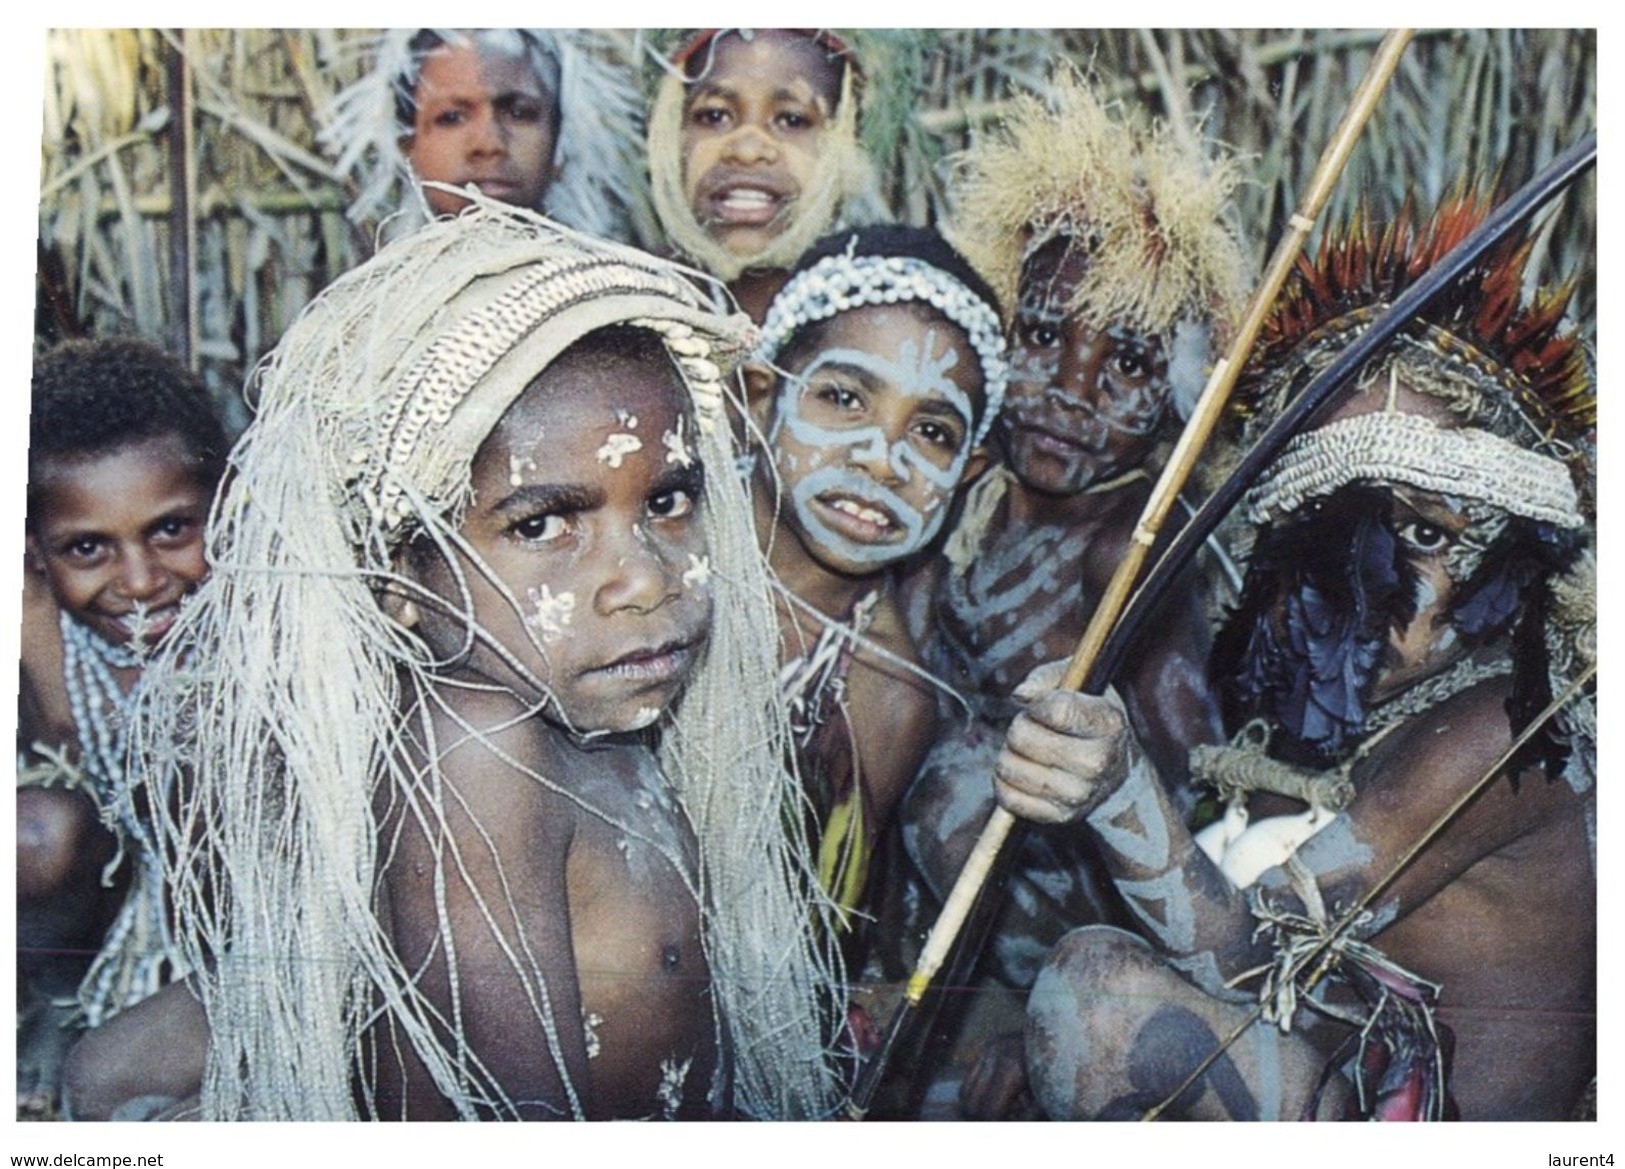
{"x":182,"y":224}
{"x":964,"y":115}
{"x":215,"y":201}
{"x":1203,"y":418}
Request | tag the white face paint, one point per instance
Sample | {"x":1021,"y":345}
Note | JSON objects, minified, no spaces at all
{"x":669,"y":1094}
{"x":617,"y":446}
{"x":518,"y":464}
{"x":870,"y":448}
{"x":676,"y":447}
{"x":551,"y":616}
{"x":698,"y":573}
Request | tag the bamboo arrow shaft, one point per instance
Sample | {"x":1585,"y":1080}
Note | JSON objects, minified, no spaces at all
{"x":1204,"y":417}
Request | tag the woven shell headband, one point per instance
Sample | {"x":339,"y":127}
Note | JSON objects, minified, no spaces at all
{"x":838,"y":284}
{"x":455,"y":321}
{"x":1393,"y":447}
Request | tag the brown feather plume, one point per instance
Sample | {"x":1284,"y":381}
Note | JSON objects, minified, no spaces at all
{"x":1483,"y":315}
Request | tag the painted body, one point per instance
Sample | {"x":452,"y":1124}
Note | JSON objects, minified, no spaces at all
{"x":603,"y":549}
{"x":566,"y":618}
{"x":868,"y":434}
{"x":1082,"y":418}
{"x":1499,"y":908}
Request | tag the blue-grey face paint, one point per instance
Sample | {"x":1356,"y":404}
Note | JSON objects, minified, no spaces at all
{"x":869,"y":501}
{"x":917,"y":372}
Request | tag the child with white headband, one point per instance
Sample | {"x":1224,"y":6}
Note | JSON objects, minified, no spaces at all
{"x":880,"y":369}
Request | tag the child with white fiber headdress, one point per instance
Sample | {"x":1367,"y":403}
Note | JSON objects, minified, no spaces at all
{"x":545,"y":119}
{"x":486,"y":806}
{"x":754,"y":153}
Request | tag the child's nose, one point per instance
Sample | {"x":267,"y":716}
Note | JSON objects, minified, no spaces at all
{"x":880,"y":454}
{"x":487,"y":135}
{"x":751,"y":144}
{"x":1079,"y":368}
{"x":141,"y":574}
{"x":639,"y":578}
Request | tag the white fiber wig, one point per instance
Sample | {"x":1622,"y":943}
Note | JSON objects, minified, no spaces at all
{"x":598,"y":153}
{"x":285,"y":731}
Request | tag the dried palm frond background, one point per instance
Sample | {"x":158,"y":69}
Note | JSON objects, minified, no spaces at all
{"x":184,"y":196}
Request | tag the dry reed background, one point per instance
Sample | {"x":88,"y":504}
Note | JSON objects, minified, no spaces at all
{"x":184,"y":197}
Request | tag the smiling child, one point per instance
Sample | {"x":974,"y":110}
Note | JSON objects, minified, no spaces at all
{"x":752,"y":151}
{"x":880,"y":370}
{"x":125,"y":450}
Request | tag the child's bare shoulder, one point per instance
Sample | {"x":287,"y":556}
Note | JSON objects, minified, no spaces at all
{"x":888,"y":659}
{"x":494,"y":753}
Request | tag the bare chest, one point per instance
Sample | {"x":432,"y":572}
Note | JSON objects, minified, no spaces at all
{"x":635,"y":925}
{"x":1516,"y":929}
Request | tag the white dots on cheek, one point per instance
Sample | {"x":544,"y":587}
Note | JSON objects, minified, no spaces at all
{"x":551,"y":613}
{"x":627,"y":419}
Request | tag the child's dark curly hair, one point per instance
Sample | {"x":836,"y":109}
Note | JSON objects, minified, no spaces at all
{"x":95,"y":397}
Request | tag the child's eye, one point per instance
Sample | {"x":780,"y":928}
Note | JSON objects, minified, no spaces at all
{"x":671,"y":505}
{"x":713,"y":117}
{"x":841,"y":397}
{"x":1040,"y":334}
{"x":1131,"y":363}
{"x":1423,"y":536}
{"x":793,"y":120}
{"x":175,"y":529}
{"x":541,"y":529}
{"x":448,"y":118}
{"x":939,"y":434}
{"x":85,"y":549}
{"x":522,"y":110}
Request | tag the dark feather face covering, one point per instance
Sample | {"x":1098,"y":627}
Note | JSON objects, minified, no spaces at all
{"x":1325,"y":588}
{"x":1456,"y":482}
{"x":1331,"y":584}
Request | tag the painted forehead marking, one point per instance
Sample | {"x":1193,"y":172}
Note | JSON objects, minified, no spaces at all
{"x":915,"y":371}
